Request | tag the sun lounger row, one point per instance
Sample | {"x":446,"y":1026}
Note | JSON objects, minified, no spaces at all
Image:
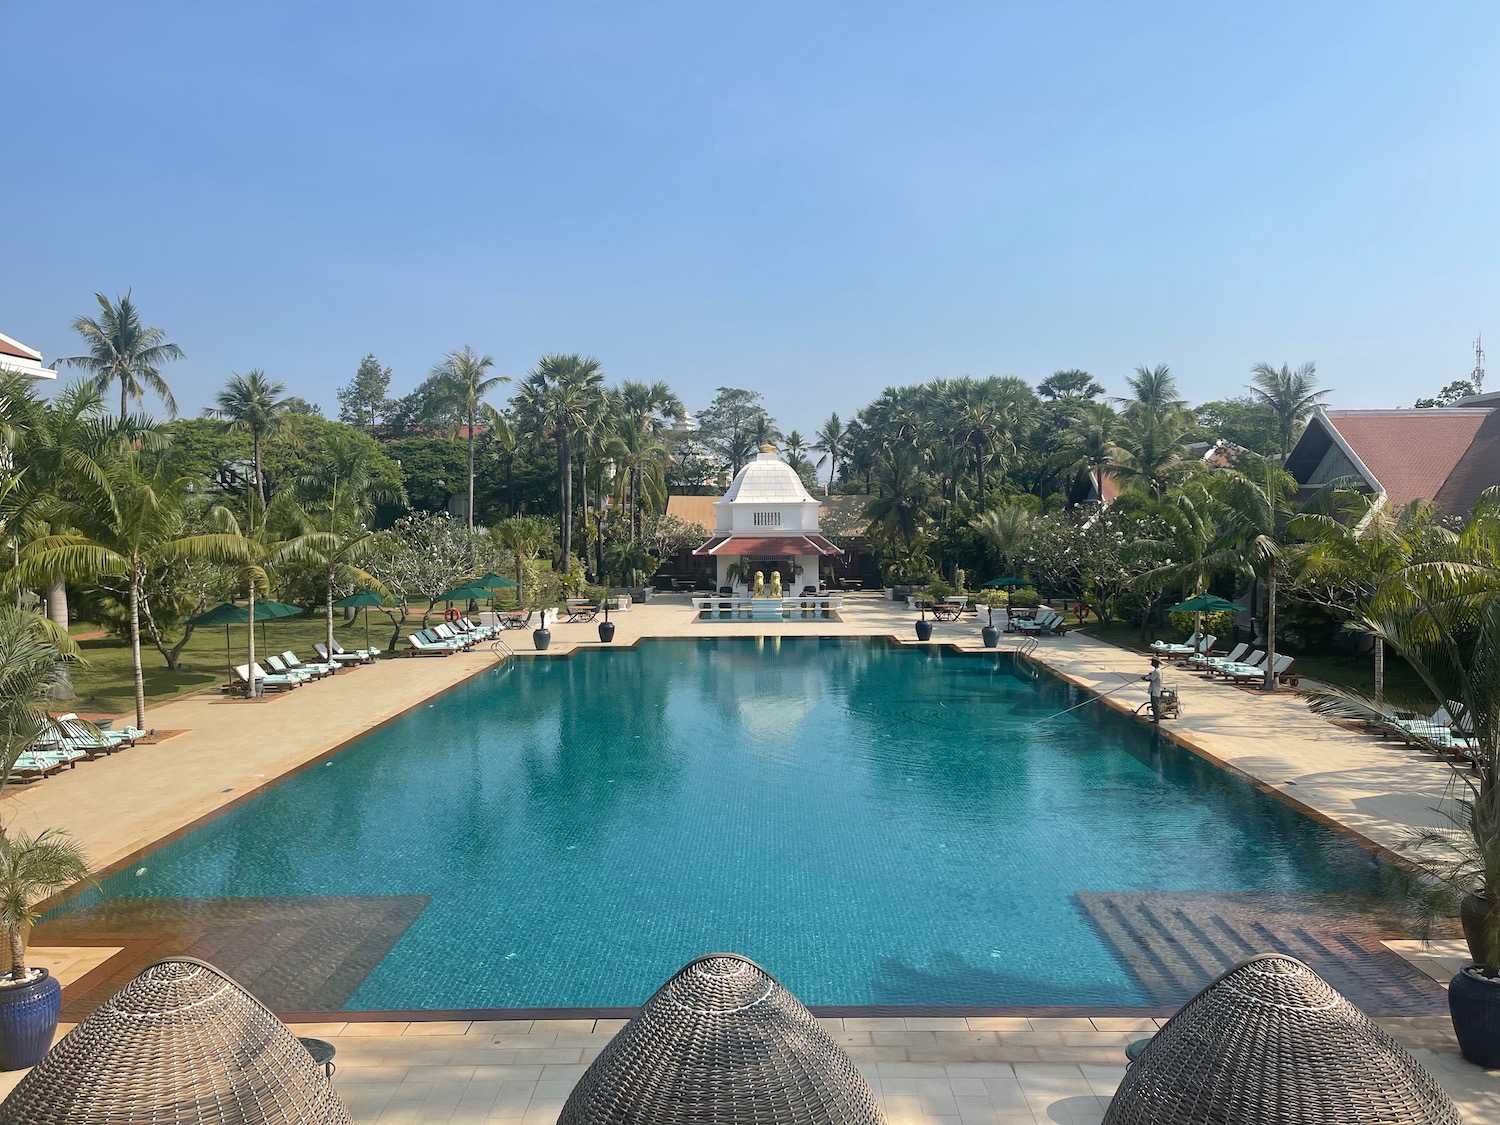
{"x":1251,"y":669}
{"x":68,"y":741}
{"x":1046,"y":620}
{"x":449,"y":637}
{"x":1196,"y":645}
{"x":1445,"y":731}
{"x":289,"y":671}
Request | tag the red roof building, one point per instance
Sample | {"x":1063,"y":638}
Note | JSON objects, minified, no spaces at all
{"x":16,"y":358}
{"x":1447,"y":455}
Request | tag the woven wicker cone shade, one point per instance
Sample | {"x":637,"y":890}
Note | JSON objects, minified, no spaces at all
{"x":1270,"y":1041}
{"x":180,"y":1043}
{"x":722,"y":1043}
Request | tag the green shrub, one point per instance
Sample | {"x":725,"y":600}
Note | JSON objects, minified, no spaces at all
{"x":939,"y":589}
{"x":1022,"y":597}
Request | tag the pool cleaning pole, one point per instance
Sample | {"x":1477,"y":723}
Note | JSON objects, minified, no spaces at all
{"x":1089,"y":700}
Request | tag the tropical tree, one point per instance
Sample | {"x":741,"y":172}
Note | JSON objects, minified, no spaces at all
{"x":734,"y":426}
{"x":32,"y":869}
{"x":1072,"y":385}
{"x":504,"y":443}
{"x":831,"y":440}
{"x":1255,"y":510}
{"x":29,"y":659}
{"x":794,"y":450}
{"x":902,"y":505}
{"x":122,"y":350}
{"x":463,"y":372}
{"x":558,"y":401}
{"x":120,"y":527}
{"x":640,"y":458}
{"x":1153,"y":390}
{"x":1149,"y":450}
{"x":363,"y":399}
{"x":1289,"y":395}
{"x":253,"y":404}
{"x":1007,"y":530}
{"x":524,"y":537}
{"x":1088,"y":449}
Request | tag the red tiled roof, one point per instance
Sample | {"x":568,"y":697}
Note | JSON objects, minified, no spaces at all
{"x":1412,"y":453}
{"x":768,"y":546}
{"x":19,"y":351}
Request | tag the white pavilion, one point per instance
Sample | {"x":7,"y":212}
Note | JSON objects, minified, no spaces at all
{"x":767,"y":522}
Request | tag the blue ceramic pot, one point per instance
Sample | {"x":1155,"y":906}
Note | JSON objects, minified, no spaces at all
{"x":28,"y":1021}
{"x":1474,"y":1004}
{"x":606,"y":631}
{"x":924,"y":630}
{"x":541,"y":638}
{"x":991,"y":636}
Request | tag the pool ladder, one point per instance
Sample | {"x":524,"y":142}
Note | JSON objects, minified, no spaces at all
{"x":1026,"y":646}
{"x":501,"y":649}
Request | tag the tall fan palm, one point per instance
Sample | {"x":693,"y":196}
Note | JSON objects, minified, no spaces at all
{"x":557,"y":399}
{"x":253,"y":404}
{"x":1255,"y":512}
{"x":463,"y":374}
{"x":1289,"y":395}
{"x":831,"y":440}
{"x":122,"y":350}
{"x":123,"y":525}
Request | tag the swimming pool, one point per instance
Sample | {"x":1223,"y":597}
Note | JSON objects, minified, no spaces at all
{"x":875,"y":824}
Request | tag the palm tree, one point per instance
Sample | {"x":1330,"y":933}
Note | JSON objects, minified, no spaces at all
{"x":1153,"y":390}
{"x":900,"y":507}
{"x":1254,"y":512}
{"x":29,"y":659}
{"x":121,"y":527}
{"x":32,"y":869}
{"x":253,"y":404}
{"x":557,"y":398}
{"x":640,"y":456}
{"x":1149,"y":451}
{"x":1289,"y":396}
{"x":650,"y":407}
{"x":795,"y":447}
{"x":1005,"y":529}
{"x":1088,"y":448}
{"x":524,"y":537}
{"x":463,"y":373}
{"x":831,"y":440}
{"x":1072,"y":385}
{"x":122,"y":351}
{"x":330,"y":528}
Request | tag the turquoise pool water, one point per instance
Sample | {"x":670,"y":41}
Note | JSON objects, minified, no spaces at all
{"x":876,"y":825}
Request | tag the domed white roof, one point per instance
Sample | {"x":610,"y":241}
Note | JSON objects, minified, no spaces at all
{"x":767,"y":480}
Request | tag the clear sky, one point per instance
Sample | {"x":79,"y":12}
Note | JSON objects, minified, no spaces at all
{"x":811,"y":199}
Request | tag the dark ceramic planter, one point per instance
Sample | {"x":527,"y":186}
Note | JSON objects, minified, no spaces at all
{"x":1471,"y":914}
{"x":606,"y":631}
{"x":991,"y":636}
{"x":28,"y":1021}
{"x":1474,"y":1004}
{"x":924,"y":630}
{"x":541,"y":638}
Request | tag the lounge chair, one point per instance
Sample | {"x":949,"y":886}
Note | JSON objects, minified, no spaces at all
{"x":75,"y":734}
{"x":420,"y":646}
{"x":281,"y":668}
{"x":325,"y":668}
{"x":1202,"y":660}
{"x":1250,"y":674}
{"x":1215,"y":666}
{"x":445,"y":632}
{"x":342,"y":659}
{"x":32,"y":764}
{"x":1049,"y":619}
{"x":477,"y":630}
{"x":1189,"y":646}
{"x":1202,"y":647}
{"x":368,"y":654}
{"x":265,"y":680}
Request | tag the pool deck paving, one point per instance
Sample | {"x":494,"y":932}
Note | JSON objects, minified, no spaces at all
{"x":953,"y":1070}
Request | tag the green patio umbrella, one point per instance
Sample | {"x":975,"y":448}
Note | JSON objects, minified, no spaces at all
{"x":1007,"y":583}
{"x":463,"y":594}
{"x":229,"y":614}
{"x":362,"y":600}
{"x":1206,"y":603}
{"x":493,"y":581}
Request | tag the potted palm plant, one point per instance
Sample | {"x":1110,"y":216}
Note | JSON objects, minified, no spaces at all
{"x":32,"y":868}
{"x":1441,"y":614}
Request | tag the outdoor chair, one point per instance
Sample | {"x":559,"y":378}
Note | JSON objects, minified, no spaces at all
{"x":1271,"y":1042}
{"x":446,"y":632}
{"x":1202,"y":660}
{"x":368,"y":654}
{"x":343,"y":659}
{"x":722,"y":1043}
{"x":420,"y":646}
{"x":280,"y":668}
{"x":325,"y":668}
{"x":1190,"y":645}
{"x":1250,"y":674}
{"x":34,"y":764}
{"x":1201,"y":647}
{"x":181,"y":1044}
{"x":1217,"y":667}
{"x":1050,"y":620}
{"x":266,"y":682}
{"x":582,"y":611}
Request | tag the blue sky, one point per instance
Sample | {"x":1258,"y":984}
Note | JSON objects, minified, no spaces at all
{"x":814,"y":200}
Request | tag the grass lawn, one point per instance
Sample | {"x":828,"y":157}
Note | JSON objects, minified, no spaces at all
{"x":105,"y":683}
{"x":1336,"y":667}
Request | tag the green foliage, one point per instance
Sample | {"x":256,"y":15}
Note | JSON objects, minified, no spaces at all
{"x":122,"y":350}
{"x":29,"y":662}
{"x":363,"y":400}
{"x":1240,"y":421}
{"x":1459,"y":388}
{"x":32,"y":868}
{"x":1219,"y":625}
{"x":734,"y":426}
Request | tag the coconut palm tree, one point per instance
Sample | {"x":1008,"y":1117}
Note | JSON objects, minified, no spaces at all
{"x":122,"y":350}
{"x":640,"y":458}
{"x":504,"y":443}
{"x":1255,"y":510}
{"x":463,"y":374}
{"x":831,"y":440}
{"x":1088,"y":448}
{"x":1153,"y":390}
{"x":253,"y":404}
{"x":557,"y":400}
{"x":904,"y":495}
{"x":651,"y":407}
{"x":524,"y":537}
{"x":794,"y":447}
{"x":1148,"y":450}
{"x":122,"y":525}
{"x":1289,"y":395}
{"x":1005,"y":529}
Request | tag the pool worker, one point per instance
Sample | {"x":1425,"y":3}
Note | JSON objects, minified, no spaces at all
{"x":1154,"y":686}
